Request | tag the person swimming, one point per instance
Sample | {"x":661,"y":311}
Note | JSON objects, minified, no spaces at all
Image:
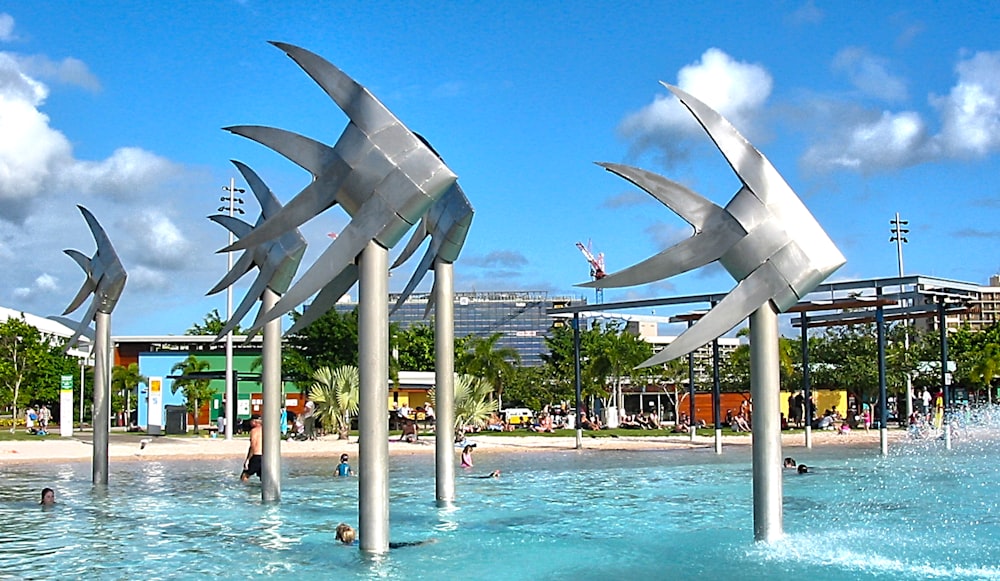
{"x":789,"y":462}
{"x":48,"y":497}
{"x":347,"y":535}
{"x":494,"y":474}
{"x":803,"y":469}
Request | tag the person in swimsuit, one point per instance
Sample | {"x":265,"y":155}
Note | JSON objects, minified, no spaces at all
{"x":251,"y":466}
{"x":344,"y":469}
{"x":467,"y":457}
{"x":48,"y":497}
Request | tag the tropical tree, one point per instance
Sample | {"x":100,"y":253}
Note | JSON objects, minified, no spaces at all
{"x":613,"y":356}
{"x":195,"y":390}
{"x":336,"y":393}
{"x":480,"y":356}
{"x":986,"y":368}
{"x":211,"y":325}
{"x":330,"y":341}
{"x":28,"y":361}
{"x":473,"y":404}
{"x":415,"y":347}
{"x":124,"y":379}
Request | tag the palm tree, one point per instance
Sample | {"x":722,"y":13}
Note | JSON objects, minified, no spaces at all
{"x":336,"y":394}
{"x":481,"y":357}
{"x":473,"y":404}
{"x":125,"y":378}
{"x":986,"y":368}
{"x":195,"y":390}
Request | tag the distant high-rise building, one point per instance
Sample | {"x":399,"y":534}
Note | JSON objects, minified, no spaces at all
{"x":519,"y":316}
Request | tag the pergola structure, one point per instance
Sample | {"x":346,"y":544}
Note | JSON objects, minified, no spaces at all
{"x":838,"y":303}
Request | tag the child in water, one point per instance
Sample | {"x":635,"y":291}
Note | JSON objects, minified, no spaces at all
{"x":344,"y":469}
{"x":467,"y":457}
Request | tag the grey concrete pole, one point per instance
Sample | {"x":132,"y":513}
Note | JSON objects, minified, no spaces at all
{"x":576,"y":381}
{"x":944,"y":373}
{"x":883,"y":424}
{"x":373,"y":421}
{"x":270,"y":467}
{"x":716,"y":396}
{"x":691,"y":409}
{"x":102,"y":395}
{"x":806,"y":388}
{"x":444,"y":371}
{"x":765,"y":392}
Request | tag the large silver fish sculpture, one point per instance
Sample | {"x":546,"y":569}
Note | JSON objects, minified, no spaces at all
{"x":277,"y":260}
{"x":446,"y":222}
{"x":382,"y":173}
{"x":764,"y":237}
{"x":105,"y":279}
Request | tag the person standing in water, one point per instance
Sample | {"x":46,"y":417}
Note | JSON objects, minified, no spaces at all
{"x":251,"y":465}
{"x":344,"y":469}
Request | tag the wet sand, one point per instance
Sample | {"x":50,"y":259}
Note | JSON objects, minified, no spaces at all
{"x":128,"y":447}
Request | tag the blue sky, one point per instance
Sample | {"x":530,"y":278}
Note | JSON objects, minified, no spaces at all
{"x":867,"y":109}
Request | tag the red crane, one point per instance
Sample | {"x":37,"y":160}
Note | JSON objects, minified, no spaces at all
{"x":596,"y":267}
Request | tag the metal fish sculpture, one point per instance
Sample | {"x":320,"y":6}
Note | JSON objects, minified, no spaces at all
{"x":382,"y":173}
{"x":276,"y":260}
{"x":447,"y":223}
{"x":764,"y":237}
{"x":105,"y":278}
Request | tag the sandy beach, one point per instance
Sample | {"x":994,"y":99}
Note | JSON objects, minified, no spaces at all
{"x":128,"y":447}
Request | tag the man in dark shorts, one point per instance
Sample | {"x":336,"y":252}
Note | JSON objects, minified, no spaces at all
{"x":251,"y":466}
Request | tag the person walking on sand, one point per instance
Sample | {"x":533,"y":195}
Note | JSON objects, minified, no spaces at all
{"x":251,"y":465}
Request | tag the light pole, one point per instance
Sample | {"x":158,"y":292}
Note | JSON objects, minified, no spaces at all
{"x":230,"y":388}
{"x":899,"y":237}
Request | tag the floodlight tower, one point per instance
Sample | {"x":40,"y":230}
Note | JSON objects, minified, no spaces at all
{"x":899,"y":237}
{"x":230,"y":387}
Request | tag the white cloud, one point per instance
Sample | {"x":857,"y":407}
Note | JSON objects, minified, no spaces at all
{"x":869,"y":142}
{"x":68,"y":71}
{"x":44,"y":283}
{"x":970,"y":114}
{"x":129,"y":169}
{"x":36,"y":159}
{"x":737,"y":90}
{"x":6,"y":27}
{"x":156,"y":242}
{"x":808,"y":13}
{"x":869,"y":74}
{"x":892,"y":140}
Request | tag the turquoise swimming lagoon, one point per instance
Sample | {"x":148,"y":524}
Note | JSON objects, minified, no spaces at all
{"x":922,"y":512}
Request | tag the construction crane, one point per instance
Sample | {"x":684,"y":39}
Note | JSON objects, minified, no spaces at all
{"x":596,"y":268}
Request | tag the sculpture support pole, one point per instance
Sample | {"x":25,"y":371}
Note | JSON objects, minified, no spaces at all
{"x":691,"y":409}
{"x":576,"y":381}
{"x":102,"y":395}
{"x":716,"y":397}
{"x":766,"y":423}
{"x":883,"y":424}
{"x":806,"y":387}
{"x":373,"y":423}
{"x":270,"y":466}
{"x":444,"y":370}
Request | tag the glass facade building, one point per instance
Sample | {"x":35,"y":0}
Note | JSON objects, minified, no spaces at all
{"x":519,"y":316}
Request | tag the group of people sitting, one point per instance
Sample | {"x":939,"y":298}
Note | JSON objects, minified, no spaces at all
{"x":640,"y":421}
